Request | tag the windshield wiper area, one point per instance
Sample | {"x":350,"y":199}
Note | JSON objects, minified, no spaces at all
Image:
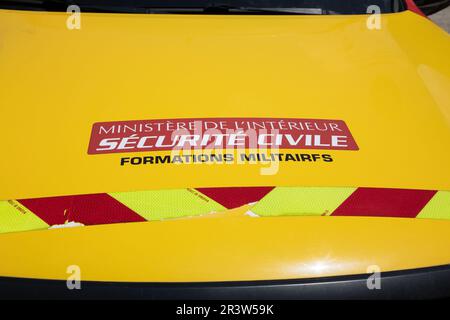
{"x":289,"y":10}
{"x":61,"y":5}
{"x":234,"y":10}
{"x":231,"y":9}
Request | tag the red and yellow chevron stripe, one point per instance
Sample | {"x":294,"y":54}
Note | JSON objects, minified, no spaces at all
{"x":138,"y":206}
{"x":368,"y":202}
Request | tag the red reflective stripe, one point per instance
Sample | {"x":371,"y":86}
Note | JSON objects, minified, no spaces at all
{"x":236,"y":196}
{"x":411,"y":5}
{"x":384,"y":202}
{"x":87,"y":209}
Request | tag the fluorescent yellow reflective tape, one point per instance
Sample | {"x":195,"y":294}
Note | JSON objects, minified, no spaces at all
{"x":438,"y":207}
{"x":301,"y":201}
{"x":167,"y":204}
{"x":15,"y":217}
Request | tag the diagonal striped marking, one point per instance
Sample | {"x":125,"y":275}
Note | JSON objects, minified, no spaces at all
{"x":301,"y":201}
{"x":438,"y":207}
{"x":87,"y":209}
{"x":166,"y":204}
{"x":236,"y":196}
{"x":15,"y":217}
{"x":385,"y":202}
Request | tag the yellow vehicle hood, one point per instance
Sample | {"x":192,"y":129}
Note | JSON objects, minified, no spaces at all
{"x":389,"y":89}
{"x":389,"y":86}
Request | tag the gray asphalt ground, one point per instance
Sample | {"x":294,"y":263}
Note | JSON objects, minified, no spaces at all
{"x":442,"y":18}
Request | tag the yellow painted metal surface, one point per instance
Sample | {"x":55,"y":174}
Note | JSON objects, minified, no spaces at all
{"x":390,"y":86}
{"x":227,"y":249}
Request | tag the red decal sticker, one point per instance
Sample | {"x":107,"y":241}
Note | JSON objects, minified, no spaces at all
{"x":385,"y":202}
{"x":220,"y":133}
{"x":89,"y":209}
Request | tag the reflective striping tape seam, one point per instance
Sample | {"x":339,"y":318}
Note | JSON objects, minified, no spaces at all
{"x":95,"y":209}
